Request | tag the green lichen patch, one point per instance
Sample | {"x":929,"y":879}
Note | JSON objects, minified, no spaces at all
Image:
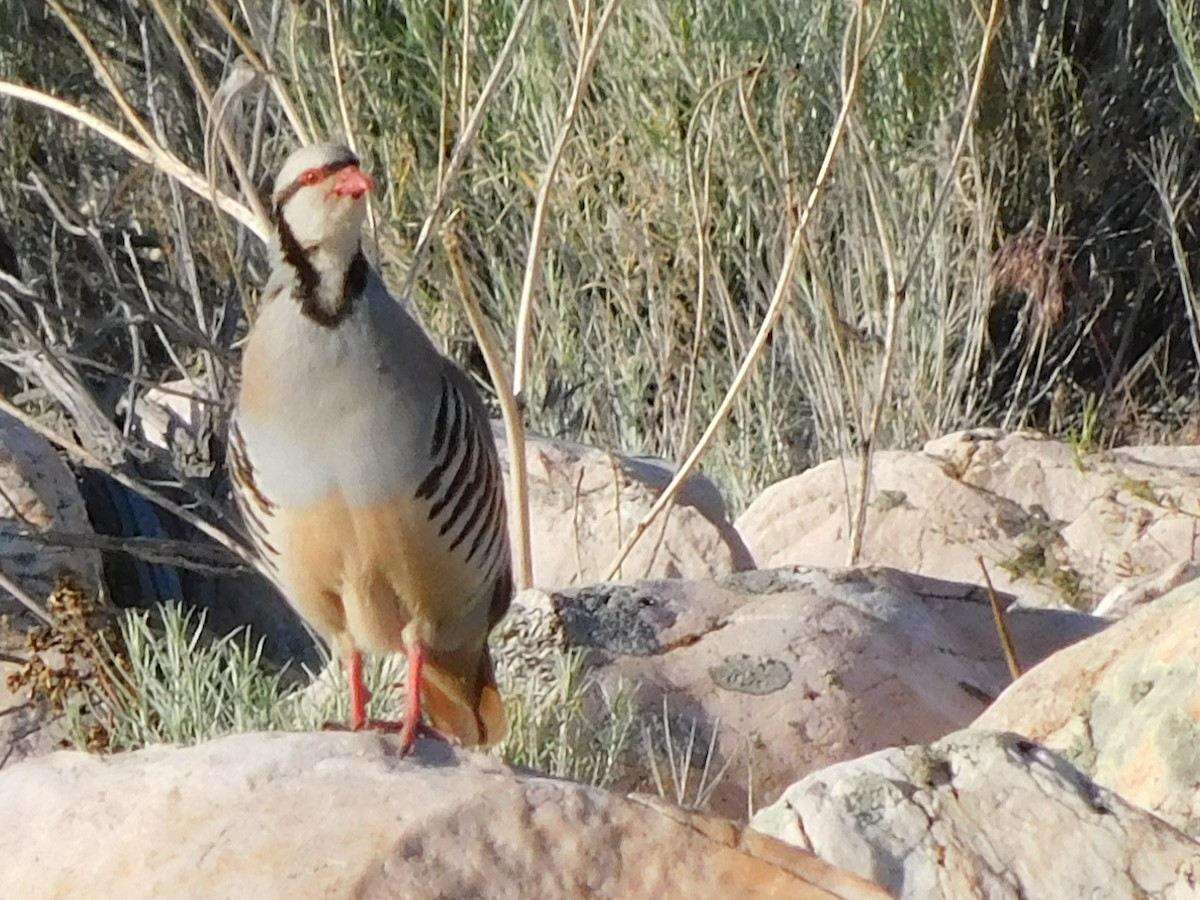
{"x":745,"y":674}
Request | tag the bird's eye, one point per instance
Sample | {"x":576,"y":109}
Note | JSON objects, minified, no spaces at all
{"x":311,"y":177}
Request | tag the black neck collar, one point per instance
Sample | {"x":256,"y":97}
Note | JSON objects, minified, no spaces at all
{"x":308,"y":293}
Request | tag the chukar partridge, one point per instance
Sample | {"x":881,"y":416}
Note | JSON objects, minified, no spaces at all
{"x":364,"y":465}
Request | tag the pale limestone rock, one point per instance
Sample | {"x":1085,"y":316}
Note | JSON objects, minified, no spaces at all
{"x":585,"y":502}
{"x":1126,"y":596}
{"x":983,"y":814}
{"x":1055,"y":527}
{"x":170,"y":413}
{"x":343,"y":815}
{"x":1124,"y":706}
{"x":798,"y":668}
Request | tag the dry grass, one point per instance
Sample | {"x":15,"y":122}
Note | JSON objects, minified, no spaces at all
{"x":677,"y":187}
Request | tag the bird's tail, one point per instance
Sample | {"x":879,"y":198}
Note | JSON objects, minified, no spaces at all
{"x":460,"y":696}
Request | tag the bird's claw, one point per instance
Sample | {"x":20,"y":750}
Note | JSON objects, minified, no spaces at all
{"x":408,"y":731}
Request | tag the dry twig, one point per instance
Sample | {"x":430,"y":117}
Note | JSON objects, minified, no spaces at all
{"x":162,"y":160}
{"x":466,"y":141}
{"x":514,"y":424}
{"x":590,"y":41}
{"x":898,"y":293}
{"x":1010,"y":653}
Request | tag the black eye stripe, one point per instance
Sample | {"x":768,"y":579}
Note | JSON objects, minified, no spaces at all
{"x":283,"y":196}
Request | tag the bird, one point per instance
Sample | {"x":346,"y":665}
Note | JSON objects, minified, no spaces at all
{"x":364,"y":466}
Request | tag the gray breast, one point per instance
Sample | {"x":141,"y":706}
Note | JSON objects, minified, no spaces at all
{"x":349,"y":408}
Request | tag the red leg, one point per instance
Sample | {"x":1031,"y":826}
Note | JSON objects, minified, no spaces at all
{"x":412,"y":714}
{"x":410,"y":724}
{"x":359,"y":695}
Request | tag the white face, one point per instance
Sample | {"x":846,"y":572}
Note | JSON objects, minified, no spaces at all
{"x":321,"y":196}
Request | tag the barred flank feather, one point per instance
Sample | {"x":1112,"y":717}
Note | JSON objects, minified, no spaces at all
{"x":252,"y":504}
{"x":464,"y":488}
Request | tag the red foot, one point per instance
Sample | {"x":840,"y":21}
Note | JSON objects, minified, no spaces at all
{"x":411,"y":722}
{"x":408,"y":732}
{"x":410,"y":726}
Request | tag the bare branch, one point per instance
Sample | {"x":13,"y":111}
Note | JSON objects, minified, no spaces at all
{"x":162,"y":160}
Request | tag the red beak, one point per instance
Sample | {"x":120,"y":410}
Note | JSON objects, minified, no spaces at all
{"x":352,"y":181}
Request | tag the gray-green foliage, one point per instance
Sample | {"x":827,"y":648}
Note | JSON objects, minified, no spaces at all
{"x":172,"y":682}
{"x":577,"y":729}
{"x":713,"y":118}
{"x":1183,"y":20}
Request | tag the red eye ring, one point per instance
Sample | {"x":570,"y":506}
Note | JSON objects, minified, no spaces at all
{"x":311,"y":177}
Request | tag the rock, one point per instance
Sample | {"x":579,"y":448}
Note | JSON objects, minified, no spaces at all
{"x":25,"y":729}
{"x":38,"y":492}
{"x":584,"y":503}
{"x":171,"y":414}
{"x":528,"y":643}
{"x":980,"y":814}
{"x":794,"y":669}
{"x":343,"y":815}
{"x":1122,"y":599}
{"x":1055,"y":527}
{"x":1124,"y":706}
